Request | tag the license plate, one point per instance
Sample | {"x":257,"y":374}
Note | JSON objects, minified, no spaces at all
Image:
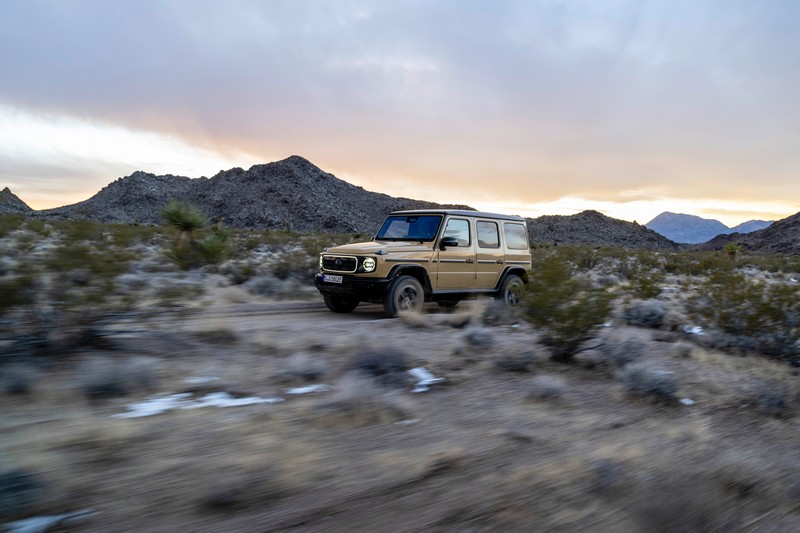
{"x":329,"y":278}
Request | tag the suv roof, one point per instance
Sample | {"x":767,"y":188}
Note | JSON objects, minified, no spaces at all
{"x":459,"y":212}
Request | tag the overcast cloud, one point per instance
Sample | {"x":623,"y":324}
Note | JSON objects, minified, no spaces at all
{"x":508,"y":102}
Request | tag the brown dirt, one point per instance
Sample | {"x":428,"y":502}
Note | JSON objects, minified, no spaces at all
{"x":476,"y":453}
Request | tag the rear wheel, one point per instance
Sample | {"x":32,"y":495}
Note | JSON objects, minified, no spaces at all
{"x":405,"y":294}
{"x":340,"y":304}
{"x":512,"y":292}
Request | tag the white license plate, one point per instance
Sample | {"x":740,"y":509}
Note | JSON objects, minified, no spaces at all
{"x":328,"y":278}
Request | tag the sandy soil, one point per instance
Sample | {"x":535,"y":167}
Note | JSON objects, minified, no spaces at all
{"x":548,"y":447}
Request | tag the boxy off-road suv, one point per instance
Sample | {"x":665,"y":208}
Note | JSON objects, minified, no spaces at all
{"x":442,"y":256}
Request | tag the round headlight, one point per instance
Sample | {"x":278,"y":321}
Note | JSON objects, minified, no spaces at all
{"x":368,"y":264}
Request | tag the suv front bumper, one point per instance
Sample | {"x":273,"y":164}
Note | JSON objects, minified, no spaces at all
{"x":365,"y":289}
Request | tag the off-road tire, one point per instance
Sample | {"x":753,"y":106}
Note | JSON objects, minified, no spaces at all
{"x":404,"y":294}
{"x":512,"y":291}
{"x":340,"y":304}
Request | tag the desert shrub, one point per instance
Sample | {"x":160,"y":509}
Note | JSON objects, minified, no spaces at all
{"x":302,"y":367}
{"x":388,"y":367}
{"x":516,"y":361}
{"x":478,"y":337}
{"x":218,"y":335}
{"x":645,"y":313}
{"x":279,"y":238}
{"x":751,"y":314}
{"x":623,"y":352}
{"x":358,"y":401}
{"x":771,"y":399}
{"x":10,"y":222}
{"x":296,"y":264}
{"x":642,"y":381}
{"x":546,"y":387}
{"x":15,"y":292}
{"x":20,"y":491}
{"x":17,"y":379}
{"x":105,"y":378}
{"x":566,"y":308}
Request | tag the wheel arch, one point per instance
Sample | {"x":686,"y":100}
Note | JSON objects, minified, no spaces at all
{"x":512,"y":271}
{"x":415,"y":271}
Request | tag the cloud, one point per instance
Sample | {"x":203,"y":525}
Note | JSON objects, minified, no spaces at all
{"x":543,"y":99}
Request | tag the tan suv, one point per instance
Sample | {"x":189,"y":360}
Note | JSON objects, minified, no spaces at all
{"x":433,"y":255}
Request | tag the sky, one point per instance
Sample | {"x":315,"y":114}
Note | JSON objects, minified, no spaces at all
{"x":532,"y":107}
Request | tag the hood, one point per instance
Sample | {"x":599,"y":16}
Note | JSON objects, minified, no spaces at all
{"x":372,"y":247}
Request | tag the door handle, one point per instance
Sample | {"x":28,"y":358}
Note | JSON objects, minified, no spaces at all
{"x":470,"y":260}
{"x":500,"y":261}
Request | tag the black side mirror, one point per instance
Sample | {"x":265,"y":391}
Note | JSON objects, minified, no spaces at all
{"x":447,"y":241}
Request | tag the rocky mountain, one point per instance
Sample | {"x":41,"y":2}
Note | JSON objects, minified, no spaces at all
{"x":782,"y":236}
{"x":288,"y":194}
{"x":295,"y":194}
{"x":692,"y":229}
{"x":751,"y":225}
{"x":10,"y":203}
{"x":591,"y":227}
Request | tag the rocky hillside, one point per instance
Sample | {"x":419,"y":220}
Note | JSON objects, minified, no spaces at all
{"x":692,"y":229}
{"x":591,"y":227}
{"x":288,"y":194}
{"x":10,"y":203}
{"x":782,"y":236}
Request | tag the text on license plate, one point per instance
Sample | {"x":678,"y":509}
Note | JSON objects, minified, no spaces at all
{"x":328,"y":278}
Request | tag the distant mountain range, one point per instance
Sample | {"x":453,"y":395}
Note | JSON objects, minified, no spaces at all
{"x":295,"y":194}
{"x":692,"y":229}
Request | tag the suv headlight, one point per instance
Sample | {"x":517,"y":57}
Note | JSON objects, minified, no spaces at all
{"x":320,"y":261}
{"x":368,"y":264}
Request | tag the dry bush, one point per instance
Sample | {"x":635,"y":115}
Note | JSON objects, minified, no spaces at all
{"x":645,"y":313}
{"x":358,"y":401}
{"x":104,"y":377}
{"x":387,"y":366}
{"x":565,"y":307}
{"x":218,"y":335}
{"x":516,"y":361}
{"x":622,"y":351}
{"x":642,"y":381}
{"x":546,"y":387}
{"x":20,"y":491}
{"x":302,"y":367}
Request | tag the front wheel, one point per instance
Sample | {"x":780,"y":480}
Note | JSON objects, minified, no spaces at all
{"x":340,"y":304}
{"x":405,"y":294}
{"x":512,"y":292}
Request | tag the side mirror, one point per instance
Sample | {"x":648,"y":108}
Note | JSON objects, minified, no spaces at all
{"x":447,"y":241}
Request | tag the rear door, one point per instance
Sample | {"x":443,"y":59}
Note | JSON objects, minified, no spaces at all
{"x":457,"y":263}
{"x":490,"y":254}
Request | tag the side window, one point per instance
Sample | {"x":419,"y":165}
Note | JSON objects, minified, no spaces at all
{"x":488,"y":234}
{"x":516,"y":236}
{"x":459,"y":229}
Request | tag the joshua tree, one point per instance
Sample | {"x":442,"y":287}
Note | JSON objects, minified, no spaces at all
{"x":733,"y":250}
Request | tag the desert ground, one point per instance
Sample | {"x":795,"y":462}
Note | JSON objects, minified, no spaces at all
{"x":293,"y":418}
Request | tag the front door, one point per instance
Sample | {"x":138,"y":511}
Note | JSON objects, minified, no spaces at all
{"x":457,"y":265}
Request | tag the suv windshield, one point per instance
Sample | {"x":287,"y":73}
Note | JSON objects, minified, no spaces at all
{"x":410,"y":228}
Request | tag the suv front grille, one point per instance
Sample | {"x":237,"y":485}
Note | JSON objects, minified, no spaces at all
{"x":339,"y":263}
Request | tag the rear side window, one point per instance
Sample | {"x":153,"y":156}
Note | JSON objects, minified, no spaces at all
{"x":459,"y":229}
{"x":488,"y":234}
{"x":516,"y":236}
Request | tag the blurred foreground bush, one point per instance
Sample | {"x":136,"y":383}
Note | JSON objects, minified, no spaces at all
{"x":566,"y":307}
